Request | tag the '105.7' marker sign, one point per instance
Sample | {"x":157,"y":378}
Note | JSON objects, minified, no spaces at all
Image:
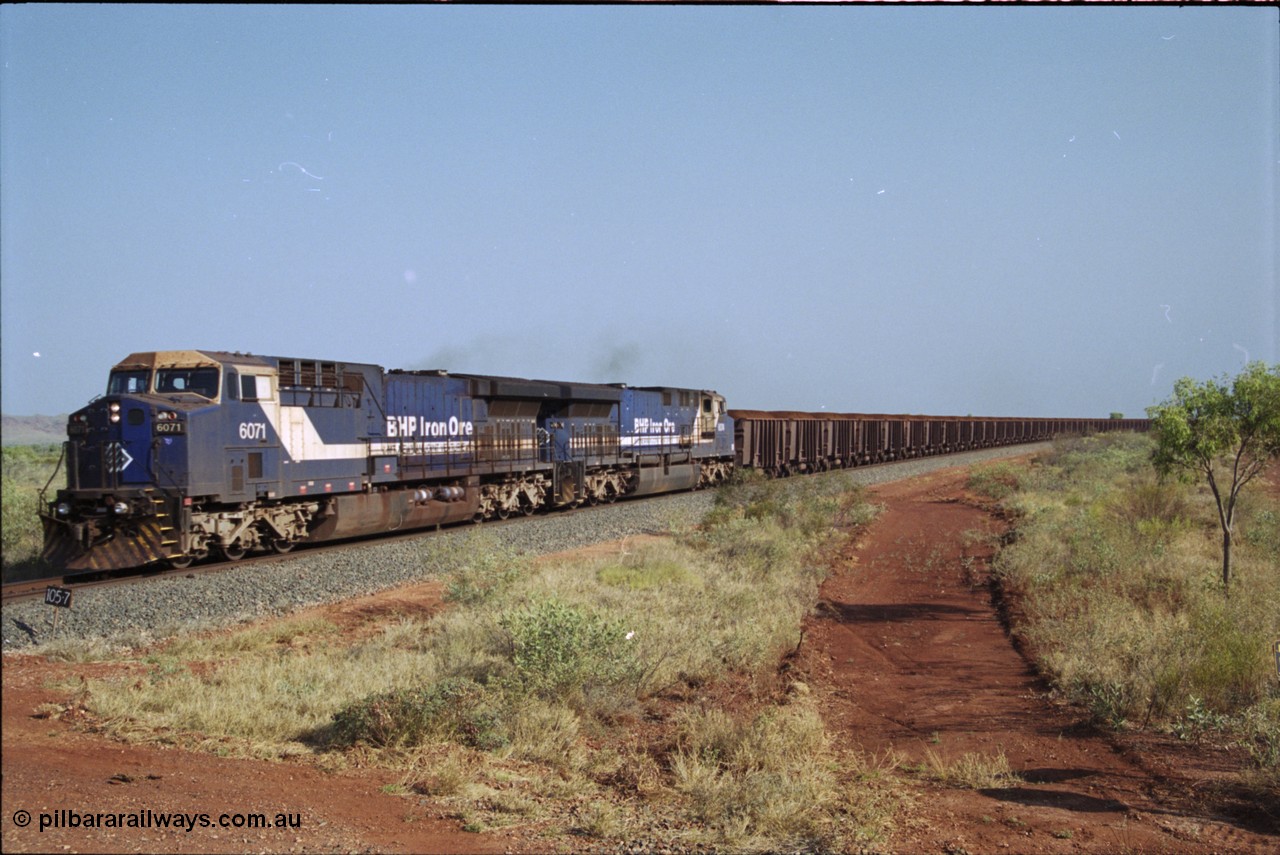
{"x":60,"y":597}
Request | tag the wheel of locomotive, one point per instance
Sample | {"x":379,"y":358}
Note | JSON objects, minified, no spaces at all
{"x":180,"y":562}
{"x":503,"y":512}
{"x":234,"y":551}
{"x":527,"y":508}
{"x":282,"y":546}
{"x":593,"y":499}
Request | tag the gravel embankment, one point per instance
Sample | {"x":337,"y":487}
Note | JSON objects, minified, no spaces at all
{"x":149,"y":610}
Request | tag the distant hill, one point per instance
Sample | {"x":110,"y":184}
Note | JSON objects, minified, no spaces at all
{"x":33,"y":430}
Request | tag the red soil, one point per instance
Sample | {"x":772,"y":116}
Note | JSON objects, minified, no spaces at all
{"x":906,"y":652}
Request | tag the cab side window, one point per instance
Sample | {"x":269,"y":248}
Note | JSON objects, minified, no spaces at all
{"x":255,"y":388}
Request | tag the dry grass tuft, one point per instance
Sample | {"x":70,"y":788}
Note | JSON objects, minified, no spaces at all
{"x":970,"y":771}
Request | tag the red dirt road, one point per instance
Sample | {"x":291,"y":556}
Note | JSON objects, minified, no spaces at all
{"x":905,"y":653}
{"x":911,"y":656}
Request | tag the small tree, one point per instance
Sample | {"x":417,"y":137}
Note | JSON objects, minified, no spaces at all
{"x":1227,"y":431}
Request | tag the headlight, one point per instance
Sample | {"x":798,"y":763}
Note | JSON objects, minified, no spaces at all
{"x":120,"y":508}
{"x":63,"y":509}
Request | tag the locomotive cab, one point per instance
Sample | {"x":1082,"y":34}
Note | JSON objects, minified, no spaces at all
{"x":126,"y":458}
{"x":162,"y":467}
{"x":716,"y":425}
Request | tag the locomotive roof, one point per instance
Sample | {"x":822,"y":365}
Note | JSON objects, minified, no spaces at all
{"x":152,"y":359}
{"x":488,"y":384}
{"x":675,"y":389}
{"x":520,"y":387}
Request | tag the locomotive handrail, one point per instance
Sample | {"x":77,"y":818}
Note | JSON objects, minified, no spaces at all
{"x":364,"y":384}
{"x":57,"y":466}
{"x":154,"y":469}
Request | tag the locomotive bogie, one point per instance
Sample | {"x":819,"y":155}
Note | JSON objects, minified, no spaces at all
{"x":515,"y":495}
{"x":713,"y":473}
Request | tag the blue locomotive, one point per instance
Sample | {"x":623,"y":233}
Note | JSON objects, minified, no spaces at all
{"x":192,"y":453}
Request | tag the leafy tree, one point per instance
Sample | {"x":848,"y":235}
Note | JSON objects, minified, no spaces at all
{"x":1226,"y":430}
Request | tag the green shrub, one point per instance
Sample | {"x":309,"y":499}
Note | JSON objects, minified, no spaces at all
{"x":454,"y":709}
{"x":1260,"y":530}
{"x":561,"y":649}
{"x":1260,"y":725}
{"x":1146,"y":500}
{"x":26,"y":470}
{"x":1234,"y":667}
{"x":995,"y":481}
{"x":483,"y":571}
{"x":21,"y":534}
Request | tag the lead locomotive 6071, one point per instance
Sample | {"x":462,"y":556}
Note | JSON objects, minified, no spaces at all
{"x":191,"y":453}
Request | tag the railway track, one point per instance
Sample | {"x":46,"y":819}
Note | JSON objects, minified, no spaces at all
{"x":141,"y":608}
{"x":13,"y":592}
{"x":34,"y":589}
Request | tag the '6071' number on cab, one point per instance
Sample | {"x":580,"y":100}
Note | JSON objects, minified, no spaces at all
{"x":253,"y":430}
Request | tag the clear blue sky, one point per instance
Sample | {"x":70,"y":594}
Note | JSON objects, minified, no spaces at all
{"x":1013,"y":211}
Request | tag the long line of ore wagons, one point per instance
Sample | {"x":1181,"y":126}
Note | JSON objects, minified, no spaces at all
{"x":785,"y":443}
